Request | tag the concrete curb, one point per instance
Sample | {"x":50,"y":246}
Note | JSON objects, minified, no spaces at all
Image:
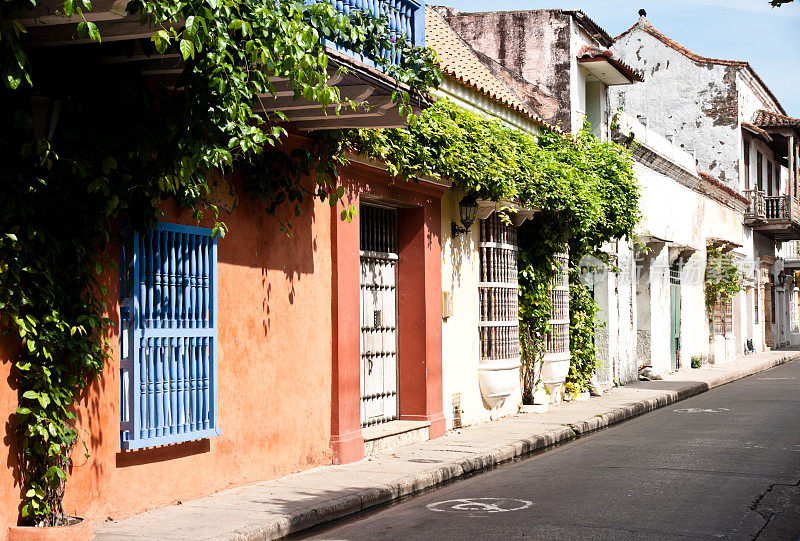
{"x":364,"y":500}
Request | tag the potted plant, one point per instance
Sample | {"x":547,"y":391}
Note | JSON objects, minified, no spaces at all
{"x":51,"y":522}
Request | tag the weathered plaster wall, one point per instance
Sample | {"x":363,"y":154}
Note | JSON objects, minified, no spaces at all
{"x":535,"y":44}
{"x":752,"y":97}
{"x":675,"y":211}
{"x":460,"y":338}
{"x":695,"y":102}
{"x":615,"y":340}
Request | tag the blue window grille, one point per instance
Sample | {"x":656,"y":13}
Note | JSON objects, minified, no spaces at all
{"x":406,"y":18}
{"x":168,"y":315}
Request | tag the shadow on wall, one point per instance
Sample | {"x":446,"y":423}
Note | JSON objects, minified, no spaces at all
{"x":405,"y":195}
{"x":10,"y":350}
{"x":260,"y":269}
{"x":461,"y":245}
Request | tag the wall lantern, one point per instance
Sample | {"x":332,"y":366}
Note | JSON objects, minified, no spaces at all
{"x":467,"y":209}
{"x":45,"y":111}
{"x":782,"y":278}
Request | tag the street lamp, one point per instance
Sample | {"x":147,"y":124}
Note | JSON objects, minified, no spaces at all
{"x":45,"y":111}
{"x":782,"y":278}
{"x":467,"y":209}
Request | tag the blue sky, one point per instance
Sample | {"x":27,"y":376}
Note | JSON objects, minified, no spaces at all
{"x":748,"y":30}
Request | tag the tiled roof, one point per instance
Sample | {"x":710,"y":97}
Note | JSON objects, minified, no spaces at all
{"x":755,"y":130}
{"x":459,"y":60}
{"x":594,"y":29}
{"x":669,"y":42}
{"x":587,"y":52}
{"x":722,"y":186}
{"x":768,"y":119}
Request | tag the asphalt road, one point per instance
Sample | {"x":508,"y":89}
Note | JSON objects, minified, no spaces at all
{"x":721,"y":465}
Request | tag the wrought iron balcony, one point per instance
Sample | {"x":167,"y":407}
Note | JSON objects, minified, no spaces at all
{"x":406,"y":18}
{"x":777,"y":217}
{"x":363,"y":80}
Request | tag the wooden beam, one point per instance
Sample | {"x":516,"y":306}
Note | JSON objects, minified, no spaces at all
{"x":376,"y":107}
{"x":144,"y":58}
{"x":67,"y":34}
{"x":390,"y":119}
{"x":164,"y":71}
{"x":51,"y":13}
{"x":357,"y":93}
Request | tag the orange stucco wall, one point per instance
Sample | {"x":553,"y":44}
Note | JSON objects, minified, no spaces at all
{"x":273,"y":374}
{"x":274,"y":378}
{"x":9,"y":486}
{"x":288,"y":354}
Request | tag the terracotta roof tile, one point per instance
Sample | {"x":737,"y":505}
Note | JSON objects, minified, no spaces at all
{"x":722,"y":186}
{"x":587,"y":52}
{"x":650,"y":29}
{"x":758,"y":132}
{"x":459,"y":60}
{"x":594,"y":29}
{"x":768,"y":119}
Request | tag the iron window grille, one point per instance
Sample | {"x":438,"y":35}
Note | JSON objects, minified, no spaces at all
{"x":498,"y":289}
{"x":168,"y":314}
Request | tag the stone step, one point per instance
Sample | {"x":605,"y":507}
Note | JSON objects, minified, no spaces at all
{"x":387,"y":436}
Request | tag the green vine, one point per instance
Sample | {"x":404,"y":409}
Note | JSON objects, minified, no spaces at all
{"x":723,"y":277}
{"x":582,"y":325}
{"x":122,"y":146}
{"x":584,"y":189}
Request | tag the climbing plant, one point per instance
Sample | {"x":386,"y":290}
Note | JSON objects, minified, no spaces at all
{"x":582,"y":325}
{"x":723,"y":277}
{"x":584,"y":189}
{"x":125,"y":143}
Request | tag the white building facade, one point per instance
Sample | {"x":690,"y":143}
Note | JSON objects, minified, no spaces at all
{"x":745,"y":194}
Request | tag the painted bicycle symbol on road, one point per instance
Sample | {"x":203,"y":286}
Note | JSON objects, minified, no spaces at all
{"x":478,"y":506}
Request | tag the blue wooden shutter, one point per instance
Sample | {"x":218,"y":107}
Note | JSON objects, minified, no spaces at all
{"x":168,"y":379}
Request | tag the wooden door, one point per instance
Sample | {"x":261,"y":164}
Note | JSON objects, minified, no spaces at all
{"x":674,"y":315}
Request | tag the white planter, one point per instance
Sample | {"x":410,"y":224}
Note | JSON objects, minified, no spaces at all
{"x":555,"y":367}
{"x":498,"y":379}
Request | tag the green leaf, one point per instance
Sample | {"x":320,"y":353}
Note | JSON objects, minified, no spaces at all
{"x":190,"y":28}
{"x":187,"y":49}
{"x":94,"y":33}
{"x":161,"y":41}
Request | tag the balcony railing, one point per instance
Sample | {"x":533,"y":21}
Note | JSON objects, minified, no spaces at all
{"x":777,"y":207}
{"x":756,"y":208}
{"x":767,"y":207}
{"x":776,"y":216}
{"x":406,"y":18}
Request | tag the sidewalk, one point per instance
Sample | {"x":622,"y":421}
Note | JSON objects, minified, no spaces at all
{"x":276,"y":508}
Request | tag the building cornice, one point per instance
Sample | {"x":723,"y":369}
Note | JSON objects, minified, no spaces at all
{"x":707,"y":187}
